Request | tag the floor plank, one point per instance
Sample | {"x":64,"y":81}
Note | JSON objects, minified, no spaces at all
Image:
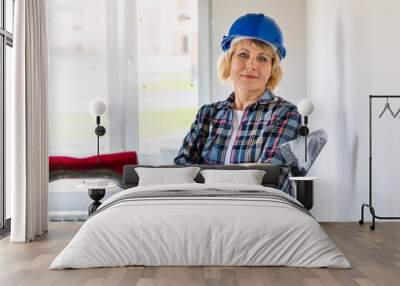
{"x":374,"y":255}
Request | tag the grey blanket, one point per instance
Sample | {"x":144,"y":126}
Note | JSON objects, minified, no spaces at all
{"x":203,"y":194}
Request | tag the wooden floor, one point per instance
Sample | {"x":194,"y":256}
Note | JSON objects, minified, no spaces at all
{"x":374,"y":255}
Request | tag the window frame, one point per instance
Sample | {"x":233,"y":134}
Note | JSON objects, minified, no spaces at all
{"x":6,"y":39}
{"x":204,"y":43}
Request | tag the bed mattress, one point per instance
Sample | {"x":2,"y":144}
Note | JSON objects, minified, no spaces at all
{"x":201,"y":225}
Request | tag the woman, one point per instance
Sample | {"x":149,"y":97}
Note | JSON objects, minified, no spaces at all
{"x":252,"y":122}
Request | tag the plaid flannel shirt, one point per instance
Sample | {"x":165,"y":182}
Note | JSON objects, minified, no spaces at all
{"x":265,"y":125}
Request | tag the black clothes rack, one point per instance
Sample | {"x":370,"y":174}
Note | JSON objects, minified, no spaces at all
{"x":369,"y":205}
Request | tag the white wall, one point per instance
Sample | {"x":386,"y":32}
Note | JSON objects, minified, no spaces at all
{"x":353,"y":51}
{"x":289,"y":14}
{"x":339,"y":52}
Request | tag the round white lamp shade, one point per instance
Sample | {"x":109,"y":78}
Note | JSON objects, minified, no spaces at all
{"x":97,"y":107}
{"x":305,"y":107}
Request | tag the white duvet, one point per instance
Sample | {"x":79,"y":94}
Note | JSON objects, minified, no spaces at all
{"x":200,"y":231}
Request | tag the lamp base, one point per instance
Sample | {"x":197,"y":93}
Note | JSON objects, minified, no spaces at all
{"x":303,"y":130}
{"x":100,"y":130}
{"x":96,"y":195}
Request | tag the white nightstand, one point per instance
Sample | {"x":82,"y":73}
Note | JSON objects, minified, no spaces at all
{"x":305,"y":190}
{"x":96,"y":190}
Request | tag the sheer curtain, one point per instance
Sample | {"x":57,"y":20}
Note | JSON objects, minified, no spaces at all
{"x":27,"y":123}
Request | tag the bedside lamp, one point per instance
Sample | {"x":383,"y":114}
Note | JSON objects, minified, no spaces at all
{"x":305,"y":108}
{"x":97,"y":108}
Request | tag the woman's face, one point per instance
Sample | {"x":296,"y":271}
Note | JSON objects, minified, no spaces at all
{"x":250,"y":67}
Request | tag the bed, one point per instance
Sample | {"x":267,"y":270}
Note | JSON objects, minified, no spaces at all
{"x":201,"y":224}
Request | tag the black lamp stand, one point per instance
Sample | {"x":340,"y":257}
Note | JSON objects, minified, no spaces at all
{"x":100,"y":131}
{"x":303,"y":131}
{"x":97,"y":194}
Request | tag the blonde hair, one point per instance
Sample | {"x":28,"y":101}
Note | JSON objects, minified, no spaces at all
{"x":225,"y":61}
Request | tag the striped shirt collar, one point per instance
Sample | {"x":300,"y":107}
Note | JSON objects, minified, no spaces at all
{"x":229,"y":102}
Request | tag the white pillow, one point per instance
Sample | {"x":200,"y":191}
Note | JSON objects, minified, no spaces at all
{"x":165,"y":176}
{"x":249,"y":177}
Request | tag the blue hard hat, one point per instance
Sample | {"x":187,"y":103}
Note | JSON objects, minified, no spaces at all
{"x":256,"y":26}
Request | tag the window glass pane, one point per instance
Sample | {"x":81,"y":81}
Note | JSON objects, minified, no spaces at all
{"x":8,"y":81}
{"x":77,"y":74}
{"x":9,"y":15}
{"x":167,"y":76}
{"x":90,"y":56}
